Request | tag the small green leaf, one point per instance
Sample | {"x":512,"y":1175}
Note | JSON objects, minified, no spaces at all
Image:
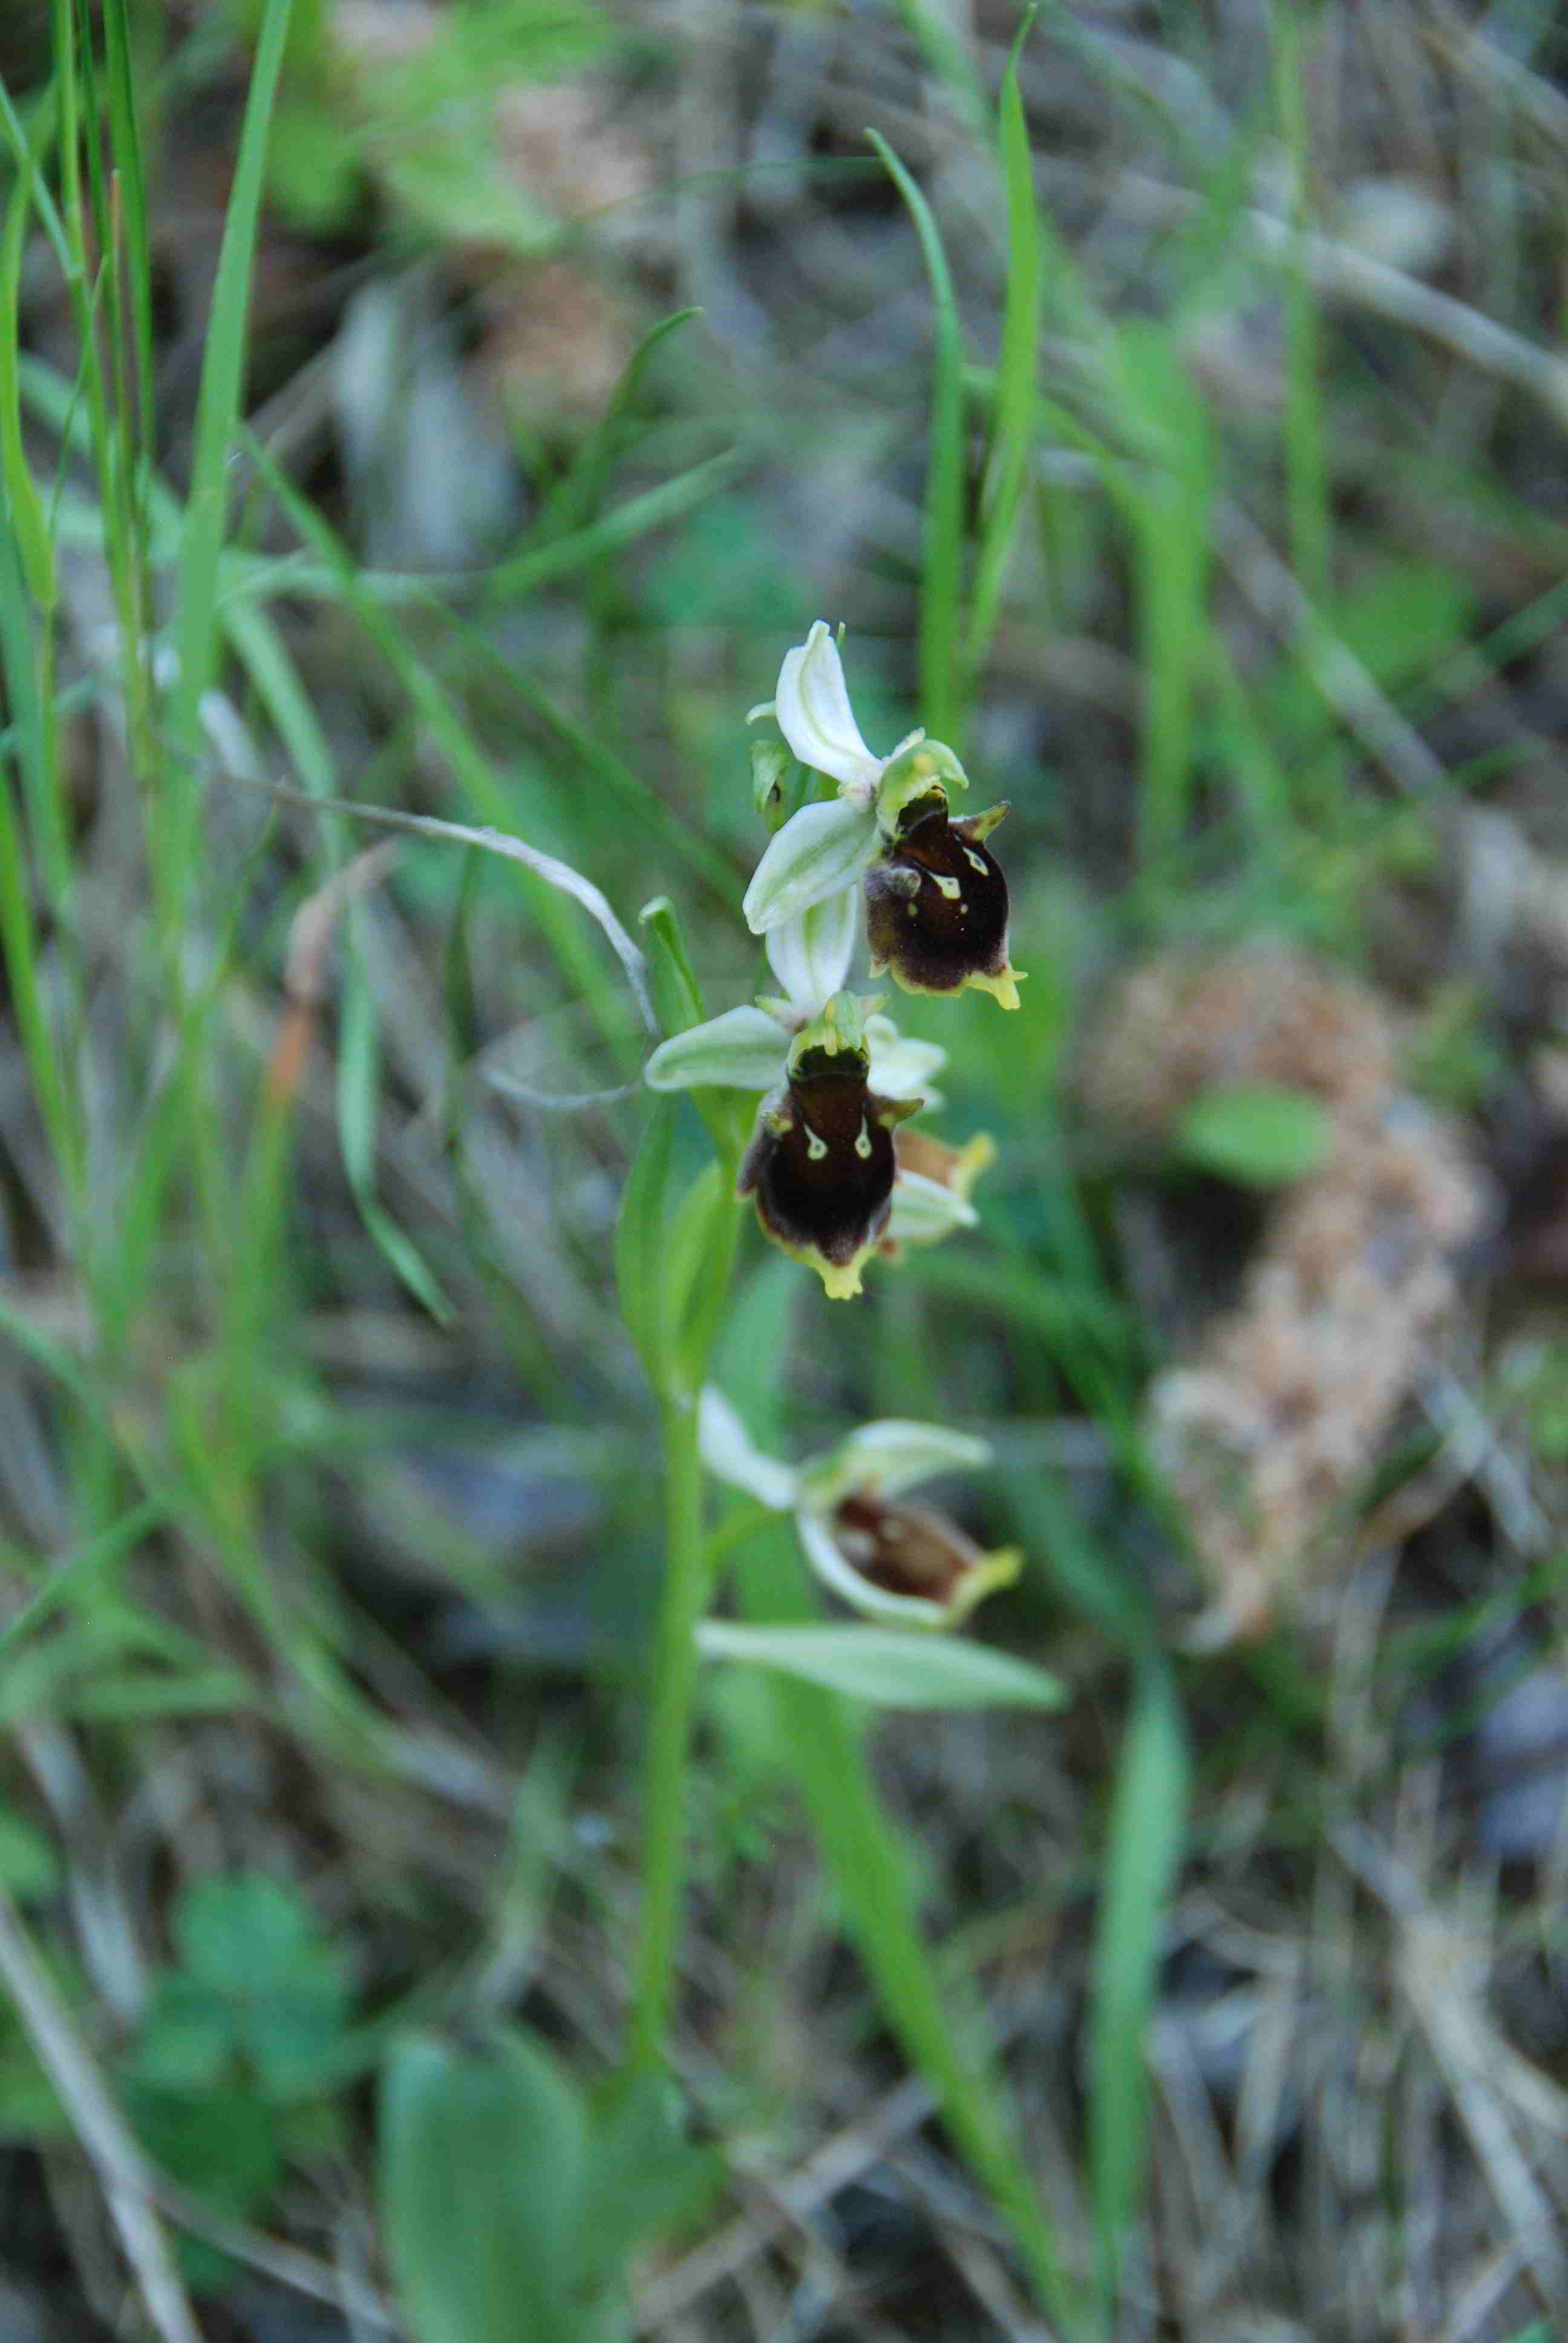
{"x":888,"y":1666}
{"x":1261,"y":1137}
{"x":256,"y":1961}
{"x":484,"y":2169}
{"x":187,"y":2039}
{"x":242,"y":1927}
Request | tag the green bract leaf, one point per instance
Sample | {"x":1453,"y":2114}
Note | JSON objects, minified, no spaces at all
{"x":770,"y":765}
{"x":1259,"y":1136}
{"x":484,"y":2165}
{"x":676,"y":992}
{"x":743,"y":1049}
{"x":819,"y":851}
{"x":887,"y":1666}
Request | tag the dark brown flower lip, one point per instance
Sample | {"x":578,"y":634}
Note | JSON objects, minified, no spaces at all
{"x":820,"y":1165}
{"x":905,"y":1548}
{"x":936,"y":904}
{"x":891,"y":1557}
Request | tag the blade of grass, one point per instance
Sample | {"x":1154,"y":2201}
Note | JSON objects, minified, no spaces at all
{"x":124,"y":133}
{"x":1166,"y":503}
{"x":358,"y":1066}
{"x":195,"y":615}
{"x":943,"y":580}
{"x":1148,"y":1820}
{"x":45,"y":1058}
{"x":1014,"y":401}
{"x":73,"y":1575}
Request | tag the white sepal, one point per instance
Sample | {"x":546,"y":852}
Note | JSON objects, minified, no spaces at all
{"x":730,"y":1452}
{"x":924,"y":1211}
{"x":884,"y":1459}
{"x":812,"y":710}
{"x":744,"y":1049}
{"x":821,"y":850}
{"x":902,"y":1068}
{"x":810,"y":954}
{"x":821,"y":1551}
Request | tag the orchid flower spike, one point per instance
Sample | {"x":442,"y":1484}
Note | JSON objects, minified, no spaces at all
{"x":936,"y":897}
{"x":888,"y":1558}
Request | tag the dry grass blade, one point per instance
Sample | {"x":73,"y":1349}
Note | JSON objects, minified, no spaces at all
{"x":559,"y":875}
{"x":122,"y":2173}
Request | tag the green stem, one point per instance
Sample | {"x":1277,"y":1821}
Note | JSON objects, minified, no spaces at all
{"x":687,"y":1576}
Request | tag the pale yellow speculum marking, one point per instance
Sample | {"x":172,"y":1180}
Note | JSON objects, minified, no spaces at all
{"x":949,"y":887}
{"x":815,"y":1148}
{"x":975,"y":862}
{"x":863,"y":1144}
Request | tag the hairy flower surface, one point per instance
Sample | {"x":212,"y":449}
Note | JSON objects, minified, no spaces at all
{"x":889,"y":1557}
{"x":937,"y":905}
{"x":820,"y":1162}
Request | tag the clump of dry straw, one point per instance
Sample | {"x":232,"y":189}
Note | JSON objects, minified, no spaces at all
{"x":1267,"y":1431}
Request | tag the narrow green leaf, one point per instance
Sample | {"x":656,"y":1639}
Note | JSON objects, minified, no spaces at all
{"x":701,"y":1257}
{"x":124,"y":131}
{"x":358,"y":1066}
{"x":944,"y":518}
{"x":1013,"y":405}
{"x":72,"y":1576}
{"x":887,"y":1666}
{"x":580,"y":495}
{"x":1148,"y":1822}
{"x":217,"y":412}
{"x":639,"y":1244}
{"x":24,"y":505}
